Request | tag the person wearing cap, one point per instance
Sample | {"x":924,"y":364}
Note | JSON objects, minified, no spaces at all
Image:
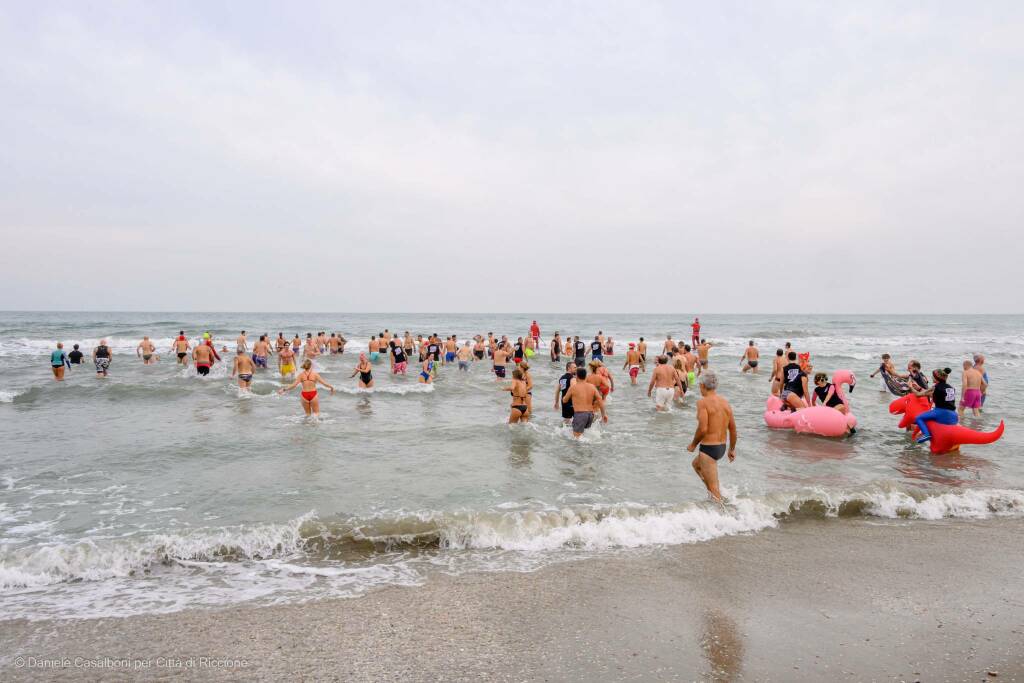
{"x":180,"y":347}
{"x":634,"y":362}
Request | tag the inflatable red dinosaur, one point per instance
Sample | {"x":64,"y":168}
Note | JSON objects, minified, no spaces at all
{"x":945,"y":438}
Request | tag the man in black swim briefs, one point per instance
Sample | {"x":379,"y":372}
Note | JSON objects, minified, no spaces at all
{"x":714,"y":420}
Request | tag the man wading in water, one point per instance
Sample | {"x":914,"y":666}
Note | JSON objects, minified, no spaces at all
{"x":714,"y":419}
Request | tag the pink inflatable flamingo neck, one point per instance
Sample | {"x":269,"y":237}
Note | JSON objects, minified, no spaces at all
{"x":839,"y":378}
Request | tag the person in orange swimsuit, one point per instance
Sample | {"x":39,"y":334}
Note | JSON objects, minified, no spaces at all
{"x":308,"y":379}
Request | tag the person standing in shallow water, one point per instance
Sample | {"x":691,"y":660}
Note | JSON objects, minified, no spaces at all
{"x":58,"y":360}
{"x":714,"y":421}
{"x":101,"y":358}
{"x":308,"y":378}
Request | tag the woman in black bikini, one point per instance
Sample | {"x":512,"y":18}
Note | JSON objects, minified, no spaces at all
{"x":520,"y":410}
{"x":365,"y":372}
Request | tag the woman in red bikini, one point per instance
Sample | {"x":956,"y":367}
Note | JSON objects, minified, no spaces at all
{"x":308,"y":379}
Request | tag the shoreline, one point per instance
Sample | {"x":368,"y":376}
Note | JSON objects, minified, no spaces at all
{"x":833,"y":599}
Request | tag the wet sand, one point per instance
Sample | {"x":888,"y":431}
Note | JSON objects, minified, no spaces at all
{"x":813,"y":600}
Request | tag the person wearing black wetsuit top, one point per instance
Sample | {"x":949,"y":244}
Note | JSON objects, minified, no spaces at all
{"x":518,"y":350}
{"x":434,"y":350}
{"x":75,"y":357}
{"x":580,"y":349}
{"x":794,"y":380}
{"x":821,"y":389}
{"x":563,"y":386}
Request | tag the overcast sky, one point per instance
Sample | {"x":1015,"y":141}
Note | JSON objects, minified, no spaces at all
{"x":521,"y":156}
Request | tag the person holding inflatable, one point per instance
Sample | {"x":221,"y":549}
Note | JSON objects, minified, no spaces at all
{"x":943,"y":405}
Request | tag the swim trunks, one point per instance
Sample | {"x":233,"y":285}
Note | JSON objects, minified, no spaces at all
{"x":582,"y":421}
{"x":102,"y":364}
{"x":449,"y":356}
{"x":146,"y":356}
{"x":634,"y":370}
{"x":703,"y":362}
{"x":499,"y":370}
{"x":203,"y":369}
{"x":479,"y":355}
{"x":287,"y":369}
{"x":400,"y":367}
{"x":182,"y":354}
{"x":245,"y":377}
{"x":714,"y":452}
{"x":752,"y":363}
{"x":308,"y":395}
{"x":374,"y":356}
{"x":463,"y":365}
{"x":260,"y":361}
{"x":597,"y":357}
{"x":971,"y":399}
{"x":663,"y":396}
{"x":425,"y":376}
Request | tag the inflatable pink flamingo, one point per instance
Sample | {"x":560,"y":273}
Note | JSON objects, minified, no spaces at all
{"x":945,"y":438}
{"x":820,"y":420}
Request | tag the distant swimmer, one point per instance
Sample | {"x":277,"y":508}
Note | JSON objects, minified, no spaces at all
{"x":365,"y":372}
{"x":180,"y":348}
{"x":204,"y":356}
{"x":500,"y":359}
{"x":669,"y":346}
{"x":244,"y":367}
{"x":683,"y":379}
{"x":641,"y":346}
{"x":634,"y":363}
{"x":146,"y":350}
{"x":280,"y":342}
{"x":520,"y":411}
{"x":427,"y":370}
{"x":408,"y":344}
{"x":479,"y":349}
{"x":241,"y":343}
{"x":693,"y":368}
{"x":597,"y":349}
{"x":556,"y":348}
{"x":695,"y":333}
{"x":296,"y":344}
{"x":528,"y":378}
{"x":535,"y":333}
{"x":450,"y":349}
{"x":308,"y":379}
{"x":702,"y":352}
{"x":750,"y":358}
{"x":825,"y":392}
{"x":75,"y":357}
{"x":609,"y":347}
{"x":972,"y":388}
{"x":341,"y":343}
{"x":662,"y":385}
{"x":58,"y":360}
{"x":579,"y":349}
{"x":794,"y":384}
{"x":585,"y":399}
{"x":312,"y":349}
{"x":979,"y":365}
{"x":564,"y":382}
{"x":261,"y":351}
{"x":101,"y":358}
{"x":399,"y":361}
{"x":714,"y":419}
{"x":333,"y":344}
{"x":465,"y":356}
{"x":777,"y":364}
{"x":286,"y":361}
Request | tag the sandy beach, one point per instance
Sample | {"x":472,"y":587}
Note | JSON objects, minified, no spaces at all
{"x":812,"y":600}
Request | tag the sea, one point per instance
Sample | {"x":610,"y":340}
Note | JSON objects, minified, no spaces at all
{"x":156,"y":490}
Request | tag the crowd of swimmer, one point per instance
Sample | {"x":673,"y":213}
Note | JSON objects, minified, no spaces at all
{"x":581,"y":392}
